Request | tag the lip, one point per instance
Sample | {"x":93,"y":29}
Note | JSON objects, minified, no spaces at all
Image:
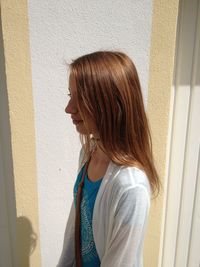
{"x":77,"y":121}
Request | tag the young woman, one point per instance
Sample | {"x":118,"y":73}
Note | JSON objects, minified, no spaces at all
{"x":116,"y":176}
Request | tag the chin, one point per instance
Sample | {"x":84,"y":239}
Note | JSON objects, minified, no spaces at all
{"x":81,"y":129}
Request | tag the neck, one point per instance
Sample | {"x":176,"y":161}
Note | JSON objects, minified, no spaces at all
{"x":99,"y":155}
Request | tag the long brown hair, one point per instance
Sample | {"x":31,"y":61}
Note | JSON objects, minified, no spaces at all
{"x":109,"y":91}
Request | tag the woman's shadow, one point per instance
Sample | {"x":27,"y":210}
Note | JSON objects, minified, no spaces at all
{"x":27,"y":240}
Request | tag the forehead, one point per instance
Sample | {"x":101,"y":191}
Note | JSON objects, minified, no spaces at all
{"x":72,"y":83}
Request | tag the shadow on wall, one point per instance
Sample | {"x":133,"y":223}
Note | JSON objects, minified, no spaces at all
{"x":8,"y":254}
{"x":27,"y":238}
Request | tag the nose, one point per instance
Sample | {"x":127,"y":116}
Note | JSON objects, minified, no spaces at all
{"x":71,"y":108}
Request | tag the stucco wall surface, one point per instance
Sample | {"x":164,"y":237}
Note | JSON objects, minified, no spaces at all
{"x":159,"y":110}
{"x":60,"y":31}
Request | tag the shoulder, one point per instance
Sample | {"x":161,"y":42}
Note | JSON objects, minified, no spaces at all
{"x":131,"y":179}
{"x":130,"y":194}
{"x":132,"y":176}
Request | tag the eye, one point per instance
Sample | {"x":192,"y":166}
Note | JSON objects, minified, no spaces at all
{"x":69,"y":92}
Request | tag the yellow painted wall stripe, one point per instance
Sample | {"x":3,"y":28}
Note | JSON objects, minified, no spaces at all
{"x":162,"y":53}
{"x":18,"y":74}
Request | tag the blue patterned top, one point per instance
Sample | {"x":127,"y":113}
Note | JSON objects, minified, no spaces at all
{"x":90,"y":257}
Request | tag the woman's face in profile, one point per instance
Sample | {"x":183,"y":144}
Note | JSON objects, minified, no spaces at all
{"x":72,"y":108}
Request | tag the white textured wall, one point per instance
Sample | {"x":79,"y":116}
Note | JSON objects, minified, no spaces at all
{"x":62,"y":30}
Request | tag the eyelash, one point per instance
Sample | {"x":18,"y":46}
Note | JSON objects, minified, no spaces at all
{"x":69,"y":94}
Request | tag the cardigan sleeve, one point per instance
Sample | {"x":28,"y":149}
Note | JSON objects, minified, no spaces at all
{"x":124,"y":248}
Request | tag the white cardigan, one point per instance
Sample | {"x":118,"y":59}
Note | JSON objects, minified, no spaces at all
{"x":119,"y":219}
